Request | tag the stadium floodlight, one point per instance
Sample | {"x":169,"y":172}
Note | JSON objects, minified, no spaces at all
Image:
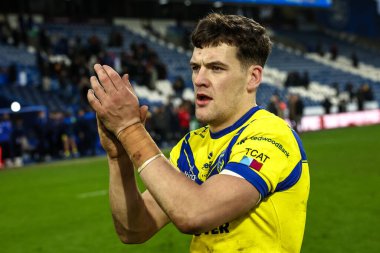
{"x":15,"y":106}
{"x":218,"y":4}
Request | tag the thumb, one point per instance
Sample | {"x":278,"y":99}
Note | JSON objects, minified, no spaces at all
{"x":143,"y":113}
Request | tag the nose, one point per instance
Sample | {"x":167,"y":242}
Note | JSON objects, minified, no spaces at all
{"x":200,"y":77}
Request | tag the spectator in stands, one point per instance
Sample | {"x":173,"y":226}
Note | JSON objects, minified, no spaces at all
{"x":349,"y":88}
{"x":86,"y":132}
{"x":12,"y":73}
{"x":364,"y":94}
{"x":274,"y":105}
{"x":335,"y":86}
{"x":326,"y":104}
{"x":224,"y":181}
{"x":115,"y":39}
{"x":293,"y":79}
{"x":6,"y":131}
{"x":367,"y":92}
{"x":305,"y":80}
{"x":174,"y":130}
{"x":152,"y":75}
{"x":354,"y":60}
{"x":178,"y":86}
{"x":334,"y":52}
{"x":342,"y":105}
{"x":5,"y":32}
{"x":20,"y":140}
{"x":68,"y":136}
{"x":94,"y":45}
{"x":159,"y":66}
{"x":160,"y":125}
{"x":54,"y":134}
{"x":40,"y":128}
{"x":296,"y":108}
{"x":84,"y":85}
{"x":184,"y":117}
{"x":319,"y":49}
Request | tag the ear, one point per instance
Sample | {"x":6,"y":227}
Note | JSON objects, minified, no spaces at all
{"x":255,"y":74}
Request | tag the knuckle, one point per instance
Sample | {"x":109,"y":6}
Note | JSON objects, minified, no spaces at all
{"x":103,"y":78}
{"x":113,"y":75}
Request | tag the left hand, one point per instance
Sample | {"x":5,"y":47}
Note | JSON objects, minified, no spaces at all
{"x":113,"y":99}
{"x":109,"y":142}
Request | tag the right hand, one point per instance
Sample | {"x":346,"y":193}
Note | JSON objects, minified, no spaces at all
{"x":113,"y":99}
{"x":109,"y":141}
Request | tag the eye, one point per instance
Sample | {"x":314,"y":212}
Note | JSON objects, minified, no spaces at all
{"x":194,"y":68}
{"x":217,"y":68}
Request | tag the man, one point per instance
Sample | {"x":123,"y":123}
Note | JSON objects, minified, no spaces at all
{"x":239,"y":184}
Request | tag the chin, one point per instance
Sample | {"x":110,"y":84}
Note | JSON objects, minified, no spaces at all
{"x":201,"y":118}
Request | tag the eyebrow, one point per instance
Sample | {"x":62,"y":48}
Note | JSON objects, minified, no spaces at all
{"x":209,"y":64}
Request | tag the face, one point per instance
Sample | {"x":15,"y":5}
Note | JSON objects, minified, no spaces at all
{"x":220,"y":86}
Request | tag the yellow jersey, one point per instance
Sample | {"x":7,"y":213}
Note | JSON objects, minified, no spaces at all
{"x":261,"y":148}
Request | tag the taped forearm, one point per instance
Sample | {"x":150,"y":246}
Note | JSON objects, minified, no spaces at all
{"x":138,"y":144}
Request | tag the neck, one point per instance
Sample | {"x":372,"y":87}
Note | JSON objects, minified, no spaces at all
{"x":215,"y":127}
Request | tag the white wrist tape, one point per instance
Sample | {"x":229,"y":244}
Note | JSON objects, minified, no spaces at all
{"x":147,"y":162}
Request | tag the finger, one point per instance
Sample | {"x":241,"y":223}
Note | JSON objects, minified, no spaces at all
{"x":97,"y":89}
{"x":93,"y":101}
{"x":102,"y":128}
{"x":114,"y":76}
{"x":104,"y":79}
{"x":143,"y":113}
{"x":128,"y":84}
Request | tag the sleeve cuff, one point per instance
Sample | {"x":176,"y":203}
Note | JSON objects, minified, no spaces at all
{"x":250,"y":175}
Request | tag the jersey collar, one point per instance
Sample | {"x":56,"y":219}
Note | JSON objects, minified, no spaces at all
{"x":236,"y":125}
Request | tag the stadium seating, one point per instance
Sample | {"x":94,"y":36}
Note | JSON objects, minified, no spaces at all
{"x":321,"y":71}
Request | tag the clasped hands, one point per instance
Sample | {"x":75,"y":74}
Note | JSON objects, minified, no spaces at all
{"x":113,"y":99}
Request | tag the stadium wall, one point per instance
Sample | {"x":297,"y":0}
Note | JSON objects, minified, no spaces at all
{"x":340,"y":120}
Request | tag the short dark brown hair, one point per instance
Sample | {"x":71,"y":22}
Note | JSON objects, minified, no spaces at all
{"x":251,"y":39}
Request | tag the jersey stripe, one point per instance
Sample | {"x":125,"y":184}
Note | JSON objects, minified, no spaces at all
{"x":291,"y":180}
{"x":295,"y":175}
{"x":186,"y":161}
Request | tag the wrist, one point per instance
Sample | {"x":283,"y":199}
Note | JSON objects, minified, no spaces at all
{"x":117,"y":157}
{"x":138,"y":143}
{"x":134,"y":122}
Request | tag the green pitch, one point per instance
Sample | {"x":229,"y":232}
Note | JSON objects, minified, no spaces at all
{"x":63,"y":206}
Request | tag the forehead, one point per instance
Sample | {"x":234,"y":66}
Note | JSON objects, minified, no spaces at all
{"x":223,"y":53}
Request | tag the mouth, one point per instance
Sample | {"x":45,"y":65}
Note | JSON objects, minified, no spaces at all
{"x":202,"y":99}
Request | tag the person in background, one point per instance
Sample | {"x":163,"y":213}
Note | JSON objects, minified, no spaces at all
{"x":240,"y":183}
{"x":184,"y":117}
{"x":296,"y":108}
{"x":327,"y":105}
{"x":6,"y":131}
{"x":277,"y":106}
{"x":40,"y":129}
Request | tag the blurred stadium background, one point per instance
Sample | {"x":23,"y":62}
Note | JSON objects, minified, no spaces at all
{"x":53,"y":175}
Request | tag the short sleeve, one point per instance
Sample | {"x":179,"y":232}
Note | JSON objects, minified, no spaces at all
{"x":264,"y":156}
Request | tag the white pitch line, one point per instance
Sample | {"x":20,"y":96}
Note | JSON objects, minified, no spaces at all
{"x":92,"y":194}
